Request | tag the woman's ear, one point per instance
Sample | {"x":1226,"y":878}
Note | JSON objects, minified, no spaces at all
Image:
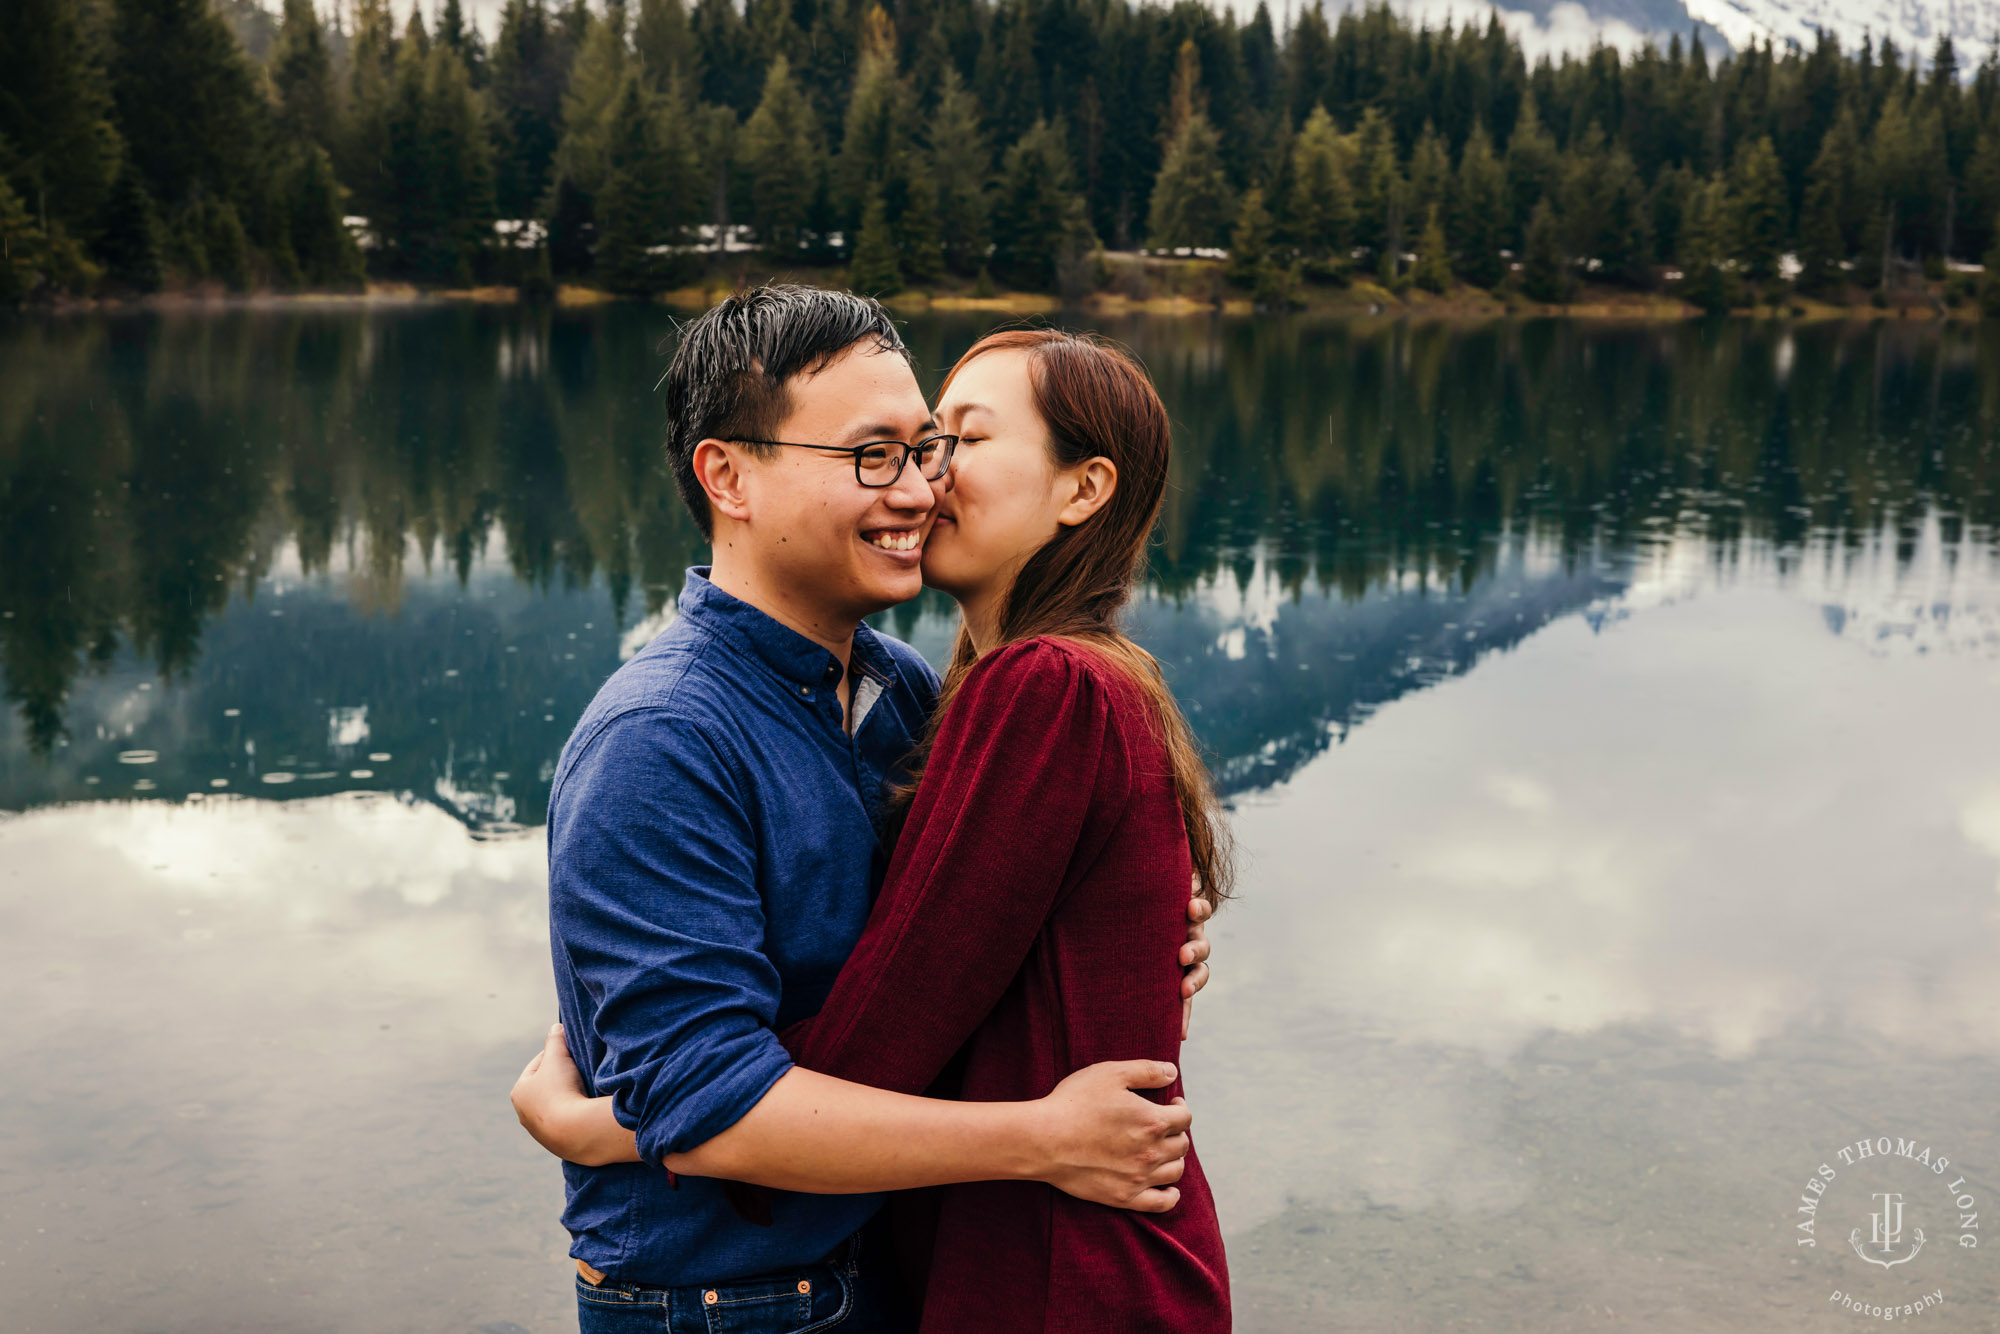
{"x":719,"y":472}
{"x":1095,"y":480}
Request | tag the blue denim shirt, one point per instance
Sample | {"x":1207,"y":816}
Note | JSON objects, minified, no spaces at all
{"x":713,"y":849}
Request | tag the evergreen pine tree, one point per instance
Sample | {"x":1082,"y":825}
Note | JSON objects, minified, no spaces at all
{"x":1250,"y":242}
{"x":1533,"y":167}
{"x":1377,"y":182}
{"x":1481,"y":226}
{"x":1430,"y":173}
{"x":180,"y":54}
{"x":960,"y":165}
{"x":1979,"y":200}
{"x":455,"y":32}
{"x":314,"y":207}
{"x":461,"y":168}
{"x":301,"y":73}
{"x":919,"y":243}
{"x":56,"y":111}
{"x":1871,"y":268}
{"x":22,"y":247}
{"x":874,"y":271}
{"x":1707,"y":240}
{"x":875,"y":132}
{"x":1038,"y":219}
{"x":1820,"y":247}
{"x":714,"y":133}
{"x":572,"y":224}
{"x":525,"y":94}
{"x":726,"y":54}
{"x":409,"y":221}
{"x":1191,"y":202}
{"x":371,"y":84}
{"x":437,"y":221}
{"x":1544,"y":270}
{"x":664,"y":42}
{"x":1667,"y":204}
{"x":1580,"y":203}
{"x":1320,"y":207}
{"x":1761,"y":224}
{"x":637,"y":205}
{"x":1433,"y":270}
{"x":20,"y":238}
{"x":1625,"y":226}
{"x":782,"y":159}
{"x":224,"y":242}
{"x":590,"y":102}
{"x":129,"y":245}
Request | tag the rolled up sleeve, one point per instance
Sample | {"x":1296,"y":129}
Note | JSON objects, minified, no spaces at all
{"x":654,"y":903}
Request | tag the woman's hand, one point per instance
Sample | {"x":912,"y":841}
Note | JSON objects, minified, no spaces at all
{"x":1194,"y":956}
{"x":549,"y":1099}
{"x":1109,"y":1145}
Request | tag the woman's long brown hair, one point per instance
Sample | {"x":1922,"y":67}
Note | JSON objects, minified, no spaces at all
{"x":1096,"y":401}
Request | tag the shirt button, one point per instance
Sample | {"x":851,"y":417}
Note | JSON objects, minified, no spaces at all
{"x":708,"y":1298}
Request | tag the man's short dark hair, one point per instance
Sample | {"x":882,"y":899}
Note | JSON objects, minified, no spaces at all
{"x":730,"y":377}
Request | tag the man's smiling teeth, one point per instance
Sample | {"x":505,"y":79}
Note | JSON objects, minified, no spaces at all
{"x":897,"y":541}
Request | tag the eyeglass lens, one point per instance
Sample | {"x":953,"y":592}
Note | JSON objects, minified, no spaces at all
{"x":882,"y":463}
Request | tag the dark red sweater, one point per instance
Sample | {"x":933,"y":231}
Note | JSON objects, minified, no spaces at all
{"x":1030,"y":924}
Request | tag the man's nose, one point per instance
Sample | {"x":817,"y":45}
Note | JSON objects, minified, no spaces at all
{"x":910,"y":491}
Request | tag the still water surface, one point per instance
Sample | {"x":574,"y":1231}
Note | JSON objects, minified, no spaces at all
{"x":1611,"y":717}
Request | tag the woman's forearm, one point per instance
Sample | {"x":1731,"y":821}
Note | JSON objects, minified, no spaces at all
{"x":827,"y":1136}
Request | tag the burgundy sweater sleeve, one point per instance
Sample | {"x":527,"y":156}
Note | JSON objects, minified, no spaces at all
{"x":1028,"y":748}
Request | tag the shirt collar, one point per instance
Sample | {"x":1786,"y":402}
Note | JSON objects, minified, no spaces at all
{"x":784,"y":650}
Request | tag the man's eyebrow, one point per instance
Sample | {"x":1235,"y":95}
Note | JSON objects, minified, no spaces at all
{"x":881,"y":431}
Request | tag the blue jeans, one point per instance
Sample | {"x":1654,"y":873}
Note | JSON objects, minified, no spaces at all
{"x":848,"y":1293}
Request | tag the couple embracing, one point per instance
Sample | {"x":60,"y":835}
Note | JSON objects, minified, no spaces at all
{"x":826,"y":927}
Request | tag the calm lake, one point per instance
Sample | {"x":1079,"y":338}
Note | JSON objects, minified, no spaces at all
{"x":1611,"y":716}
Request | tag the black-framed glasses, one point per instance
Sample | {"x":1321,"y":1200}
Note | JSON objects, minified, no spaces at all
{"x":878,"y":463}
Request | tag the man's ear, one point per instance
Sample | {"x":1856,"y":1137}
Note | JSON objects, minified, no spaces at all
{"x":1094,"y":480}
{"x":719,"y":470}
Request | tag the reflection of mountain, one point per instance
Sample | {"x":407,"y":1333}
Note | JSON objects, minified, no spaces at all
{"x":373,"y":532}
{"x":1269,"y":680}
{"x":1916,"y":588}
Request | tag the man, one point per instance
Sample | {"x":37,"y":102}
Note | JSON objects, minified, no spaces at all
{"x":714,"y":840}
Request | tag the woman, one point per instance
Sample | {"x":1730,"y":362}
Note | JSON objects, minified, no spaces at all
{"x":1028,"y":922}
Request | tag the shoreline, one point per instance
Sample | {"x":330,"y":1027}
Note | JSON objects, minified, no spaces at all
{"x":1360,"y":300}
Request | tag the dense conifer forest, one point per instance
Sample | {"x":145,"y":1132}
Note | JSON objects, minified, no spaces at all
{"x":636,"y":145}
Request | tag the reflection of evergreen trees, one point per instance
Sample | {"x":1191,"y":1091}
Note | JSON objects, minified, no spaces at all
{"x":1352,"y":455}
{"x":151,"y":469}
{"x":154,"y":469}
